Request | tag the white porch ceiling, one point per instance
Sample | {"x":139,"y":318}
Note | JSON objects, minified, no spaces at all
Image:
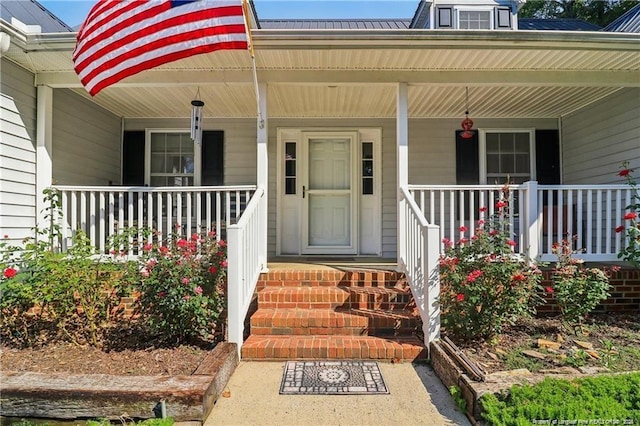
{"x":360,"y":101}
{"x":351,"y":74}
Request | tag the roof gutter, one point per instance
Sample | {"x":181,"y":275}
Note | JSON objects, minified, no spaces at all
{"x":39,"y":42}
{"x":386,"y":39}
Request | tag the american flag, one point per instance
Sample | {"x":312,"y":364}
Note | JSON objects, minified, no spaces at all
{"x":120,"y":38}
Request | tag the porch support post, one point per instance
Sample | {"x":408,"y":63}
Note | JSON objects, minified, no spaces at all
{"x":402,"y":165}
{"x":44,"y":148}
{"x":263,"y":170}
{"x":531,"y":219}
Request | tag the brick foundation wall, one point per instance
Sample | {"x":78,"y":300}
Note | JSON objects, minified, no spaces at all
{"x":625,"y":293}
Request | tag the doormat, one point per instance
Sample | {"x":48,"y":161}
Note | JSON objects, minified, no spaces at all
{"x":332,"y":378}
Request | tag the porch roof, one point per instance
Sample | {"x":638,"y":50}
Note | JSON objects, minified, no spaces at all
{"x":352,"y":73}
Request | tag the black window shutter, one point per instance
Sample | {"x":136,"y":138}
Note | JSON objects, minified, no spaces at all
{"x":467,"y":159}
{"x":548,"y":157}
{"x":133,"y":158}
{"x":213,"y":157}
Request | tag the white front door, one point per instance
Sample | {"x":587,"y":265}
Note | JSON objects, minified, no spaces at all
{"x":329,"y":203}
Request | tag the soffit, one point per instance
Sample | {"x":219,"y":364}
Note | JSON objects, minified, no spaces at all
{"x":354,"y":101}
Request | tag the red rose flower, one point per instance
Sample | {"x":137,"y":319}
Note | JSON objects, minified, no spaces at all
{"x":625,"y":172}
{"x":460,"y":297}
{"x":620,"y":228}
{"x":501,"y":204}
{"x":630,"y":216}
{"x":10,"y":272}
{"x":463,"y":228}
{"x":549,"y":289}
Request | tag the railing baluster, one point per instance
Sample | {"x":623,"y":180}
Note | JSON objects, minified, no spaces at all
{"x":74,"y":212}
{"x":65,"y":217}
{"x":599,"y":222}
{"x":570,"y":230}
{"x":608,"y":227}
{"x":111,"y":224}
{"x":150,"y":224}
{"x":589,"y":245}
{"x":189,"y":213}
{"x":170,"y":224}
{"x":199,"y":212}
{"x":618,"y":215}
{"x":452,"y":212}
{"x":218,"y":215}
{"x":579,"y":222}
{"x":92,"y":218}
{"x":103,"y":218}
{"x":160,"y":220}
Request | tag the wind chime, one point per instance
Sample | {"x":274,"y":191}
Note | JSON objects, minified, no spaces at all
{"x":467,"y":123}
{"x":196,"y":118}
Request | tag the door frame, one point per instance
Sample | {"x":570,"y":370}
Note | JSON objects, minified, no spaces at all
{"x":305,"y":174}
{"x":368,"y":210}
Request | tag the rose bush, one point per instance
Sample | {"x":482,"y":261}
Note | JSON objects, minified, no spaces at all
{"x":180,"y":285}
{"x":631,"y":220}
{"x":484,"y":284}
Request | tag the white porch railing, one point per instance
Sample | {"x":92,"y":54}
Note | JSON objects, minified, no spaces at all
{"x":418,"y":250}
{"x":540,"y":215}
{"x":103,"y":212}
{"x":247,"y":257}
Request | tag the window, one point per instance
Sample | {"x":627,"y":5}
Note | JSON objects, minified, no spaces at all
{"x":173,"y":159}
{"x":507,"y":154}
{"x":367,"y":168}
{"x":290,"y":168}
{"x":474,"y":19}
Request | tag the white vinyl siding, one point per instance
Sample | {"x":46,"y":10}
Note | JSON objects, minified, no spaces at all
{"x":86,"y":141}
{"x":598,"y":138}
{"x":17,"y":153}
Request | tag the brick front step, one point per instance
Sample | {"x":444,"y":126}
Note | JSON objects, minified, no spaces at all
{"x":276,"y":348}
{"x":334,"y":297}
{"x":302,"y":297}
{"x":350,"y":322}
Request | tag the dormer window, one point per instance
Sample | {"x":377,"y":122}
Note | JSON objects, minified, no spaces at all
{"x":469,"y":17}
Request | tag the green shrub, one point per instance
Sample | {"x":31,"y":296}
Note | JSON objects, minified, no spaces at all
{"x":608,"y":398}
{"x":49,"y":295}
{"x":576,"y":288}
{"x":181,"y":284}
{"x":484,"y":284}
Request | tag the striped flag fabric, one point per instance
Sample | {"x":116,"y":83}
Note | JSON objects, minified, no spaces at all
{"x":120,"y":38}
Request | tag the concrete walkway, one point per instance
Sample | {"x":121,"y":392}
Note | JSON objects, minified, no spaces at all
{"x":417,"y":397}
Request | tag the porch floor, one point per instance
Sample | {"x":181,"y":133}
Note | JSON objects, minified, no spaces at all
{"x":308,"y":263}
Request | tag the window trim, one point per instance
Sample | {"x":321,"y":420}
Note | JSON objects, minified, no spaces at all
{"x":482,"y":150}
{"x":197,"y":154}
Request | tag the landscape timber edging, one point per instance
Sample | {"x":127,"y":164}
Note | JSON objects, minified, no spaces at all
{"x":452,"y":375}
{"x":80,"y":396}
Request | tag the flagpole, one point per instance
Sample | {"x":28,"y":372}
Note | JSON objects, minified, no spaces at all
{"x":247,"y":21}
